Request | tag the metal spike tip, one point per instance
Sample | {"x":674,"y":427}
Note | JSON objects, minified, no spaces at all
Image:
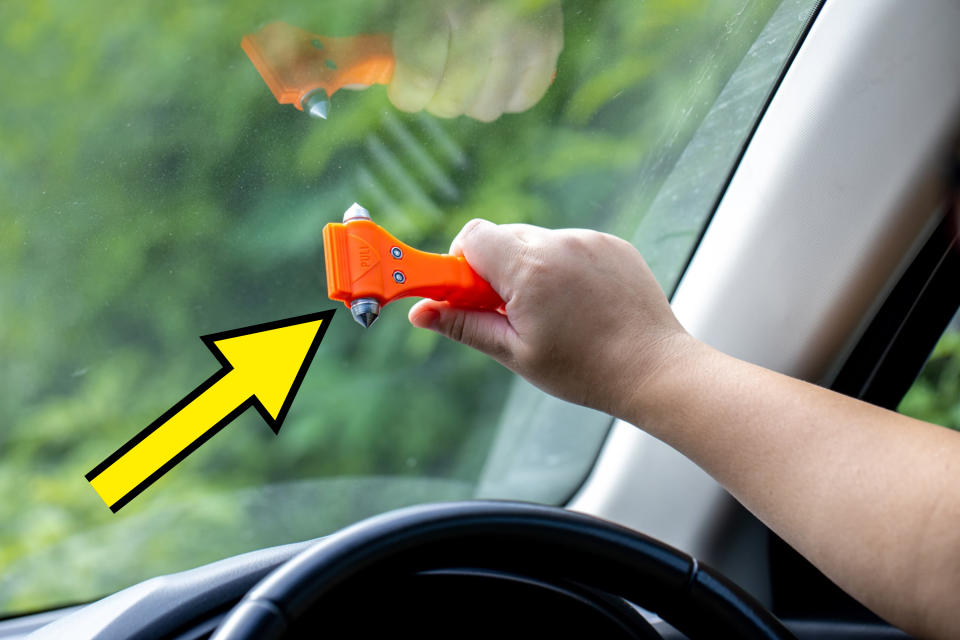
{"x":317,"y":104}
{"x":365,"y":319}
{"x":365,"y":311}
{"x":356,"y":212}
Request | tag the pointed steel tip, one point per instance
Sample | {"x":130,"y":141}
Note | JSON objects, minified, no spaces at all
{"x":365,"y":311}
{"x":317,"y":104}
{"x":365,"y":319}
{"x":356,"y":212}
{"x":320,"y":110}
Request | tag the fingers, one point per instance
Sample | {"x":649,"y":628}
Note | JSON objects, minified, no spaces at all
{"x":538,"y":64}
{"x":495,"y":252}
{"x":532,"y":83}
{"x":481,"y":59}
{"x":471,"y":49}
{"x":499,"y":84}
{"x":522,"y":233}
{"x":420,"y":46}
{"x":486,"y":331}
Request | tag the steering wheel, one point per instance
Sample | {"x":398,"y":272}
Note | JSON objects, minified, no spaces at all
{"x":548,"y":545}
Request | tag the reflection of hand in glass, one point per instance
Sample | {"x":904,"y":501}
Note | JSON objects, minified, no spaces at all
{"x":481,"y":58}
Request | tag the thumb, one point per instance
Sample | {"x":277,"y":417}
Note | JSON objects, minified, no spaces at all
{"x":493,"y":251}
{"x":486,"y":331}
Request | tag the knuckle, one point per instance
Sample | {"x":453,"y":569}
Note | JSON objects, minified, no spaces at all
{"x":613,"y":241}
{"x":574,"y":242}
{"x":530,"y":265}
{"x":457,"y":327}
{"x":442,"y":109}
{"x":469,"y":238}
{"x":588,"y":245}
{"x":471,"y":227}
{"x":619,"y":245}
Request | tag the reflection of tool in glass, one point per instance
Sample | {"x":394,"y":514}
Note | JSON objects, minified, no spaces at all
{"x":304,"y":69}
{"x":368,"y":268}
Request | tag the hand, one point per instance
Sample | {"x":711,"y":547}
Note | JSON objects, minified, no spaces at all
{"x":584,"y":320}
{"x":481,"y":58}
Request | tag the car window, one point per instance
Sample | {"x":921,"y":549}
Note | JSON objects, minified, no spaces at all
{"x":935,"y":394}
{"x":155,"y":191}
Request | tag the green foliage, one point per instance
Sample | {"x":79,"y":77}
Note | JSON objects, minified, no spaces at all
{"x":154,"y":191}
{"x":935,"y":396}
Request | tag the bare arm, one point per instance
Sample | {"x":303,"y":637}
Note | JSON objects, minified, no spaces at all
{"x":871,"y":497}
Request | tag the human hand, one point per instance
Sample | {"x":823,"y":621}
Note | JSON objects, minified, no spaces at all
{"x":584,"y":320}
{"x":481,"y":58}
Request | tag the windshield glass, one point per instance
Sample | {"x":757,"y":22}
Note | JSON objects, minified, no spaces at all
{"x":155,"y":190}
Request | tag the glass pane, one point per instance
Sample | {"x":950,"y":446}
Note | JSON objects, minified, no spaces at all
{"x":155,"y":191}
{"x":935,"y":394}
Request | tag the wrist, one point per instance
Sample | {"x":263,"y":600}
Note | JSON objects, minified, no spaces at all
{"x":660,"y":378}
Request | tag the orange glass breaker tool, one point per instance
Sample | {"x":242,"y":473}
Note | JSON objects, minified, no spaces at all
{"x":304,"y":69}
{"x":368,"y":268}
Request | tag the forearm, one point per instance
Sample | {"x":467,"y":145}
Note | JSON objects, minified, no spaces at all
{"x":871,"y":497}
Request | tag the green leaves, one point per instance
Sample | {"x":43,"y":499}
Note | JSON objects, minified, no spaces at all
{"x":935,"y":395}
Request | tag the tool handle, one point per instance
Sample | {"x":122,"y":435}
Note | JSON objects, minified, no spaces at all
{"x":364,"y":260}
{"x":294,"y":62}
{"x":451,"y":278}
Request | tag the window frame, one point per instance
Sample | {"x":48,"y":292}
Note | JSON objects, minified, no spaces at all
{"x":897,"y":343}
{"x":880,"y":369}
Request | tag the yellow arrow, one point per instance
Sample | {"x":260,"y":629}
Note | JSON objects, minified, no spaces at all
{"x":263,"y":366}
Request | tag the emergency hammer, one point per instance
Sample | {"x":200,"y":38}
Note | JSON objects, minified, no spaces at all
{"x":367,"y":268}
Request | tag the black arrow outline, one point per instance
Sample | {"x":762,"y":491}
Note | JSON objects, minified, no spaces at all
{"x":209,"y":340}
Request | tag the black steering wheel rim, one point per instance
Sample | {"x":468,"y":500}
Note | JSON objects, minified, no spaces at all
{"x":505,"y":536}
